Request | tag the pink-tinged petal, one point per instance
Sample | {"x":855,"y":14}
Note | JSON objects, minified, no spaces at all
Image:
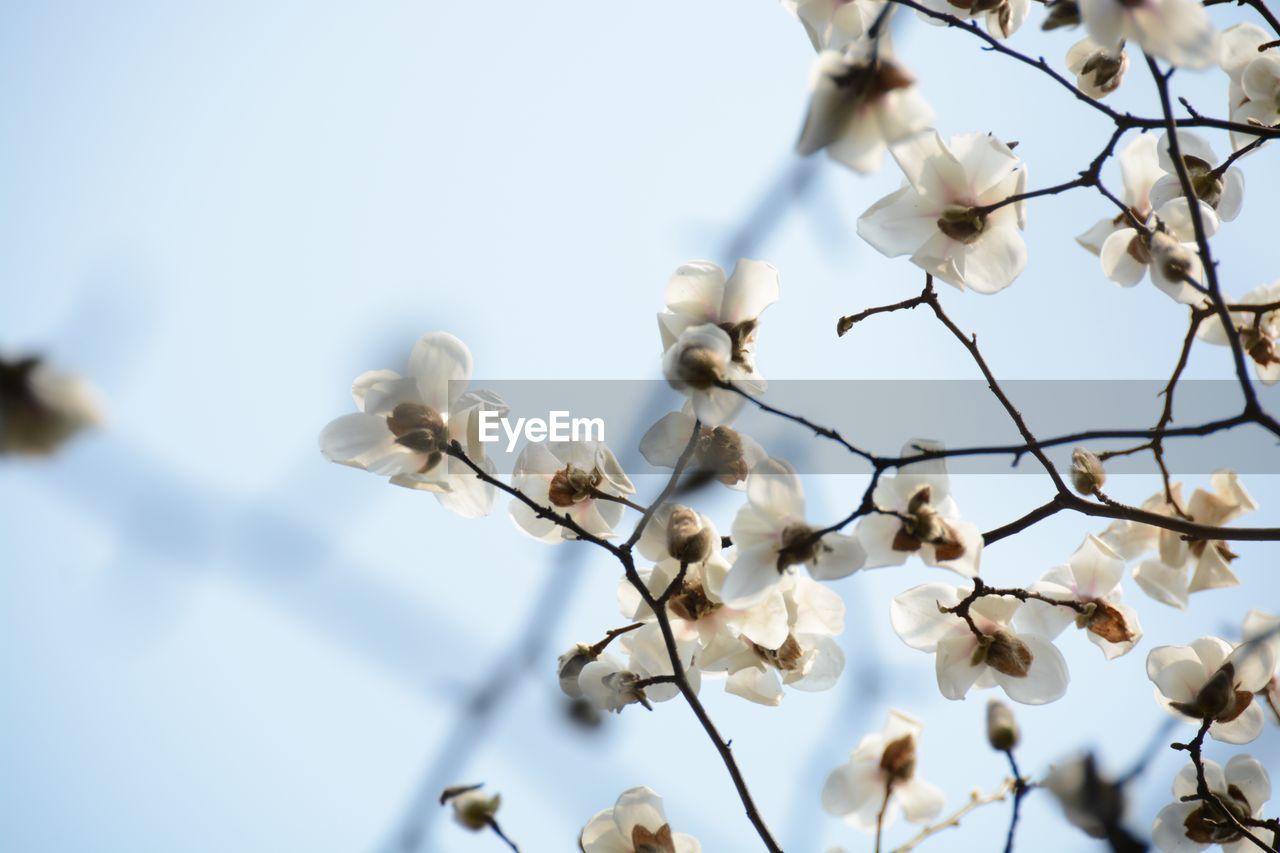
{"x":918,"y":621}
{"x":696,"y":289}
{"x":752,"y":288}
{"x":987,"y":162}
{"x":956,"y":670}
{"x":930,"y":166}
{"x":442,"y":366}
{"x":1046,"y":679}
{"x":1096,"y":567}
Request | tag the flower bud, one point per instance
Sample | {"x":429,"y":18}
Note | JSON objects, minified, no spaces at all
{"x":570,"y":666}
{"x":688,"y":540}
{"x":1002,"y":728}
{"x":1087,"y":473}
{"x":471,"y":809}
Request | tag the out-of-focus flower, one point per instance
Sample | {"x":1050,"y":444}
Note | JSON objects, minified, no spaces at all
{"x":1191,"y":826}
{"x":880,"y":777}
{"x":770,"y":535}
{"x":861,"y":101}
{"x":648,"y":658}
{"x":1177,"y":31}
{"x":721,"y":452}
{"x":1257,"y":330}
{"x":1098,"y":69}
{"x":406,"y":424}
{"x":807,"y":657}
{"x":40,"y":409}
{"x":1092,"y":802}
{"x":1092,"y":577}
{"x":833,"y":24}
{"x":1165,"y":579}
{"x":699,"y":363}
{"x":935,"y":216}
{"x":1210,"y":679}
{"x":1166,"y":251}
{"x":1266,"y":628}
{"x":1062,"y":13}
{"x":1087,"y":473}
{"x":573,"y":478}
{"x":637,"y":823}
{"x":1027,"y":666}
{"x":1254,"y":93}
{"x":1002,"y":726}
{"x":1139,"y":171}
{"x":1222,"y":191}
{"x":1004,"y":17}
{"x":472,"y":808}
{"x":916,"y":515}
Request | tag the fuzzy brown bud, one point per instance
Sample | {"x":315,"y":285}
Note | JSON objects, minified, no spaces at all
{"x":1087,"y":473}
{"x":1002,"y":728}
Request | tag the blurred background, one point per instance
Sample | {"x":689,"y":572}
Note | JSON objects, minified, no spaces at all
{"x":212,"y":640}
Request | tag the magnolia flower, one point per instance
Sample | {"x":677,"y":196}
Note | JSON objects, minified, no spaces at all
{"x":1177,"y":31}
{"x":1165,"y":579}
{"x":721,"y":452}
{"x":1139,"y":171}
{"x":806,"y":657}
{"x":648,"y":658}
{"x":1004,"y":17}
{"x":1167,"y":251}
{"x":770,"y":535}
{"x":1092,"y":577}
{"x":880,"y":777}
{"x":1188,"y":826}
{"x":937,"y":216}
{"x":611,"y":686}
{"x":915,"y":514}
{"x":1223,"y":192}
{"x":573,"y":478}
{"x":1254,"y":93}
{"x":1026,"y":665}
{"x":862,"y":100}
{"x":697,"y":610}
{"x":637,"y":823}
{"x":1257,"y":330}
{"x":1091,"y":801}
{"x":1132,"y":539}
{"x":679,"y":533}
{"x":406,"y":424}
{"x":1098,"y":69}
{"x":833,"y":24}
{"x":708,"y":333}
{"x":472,"y":808}
{"x":1211,"y":680}
{"x":40,"y":409}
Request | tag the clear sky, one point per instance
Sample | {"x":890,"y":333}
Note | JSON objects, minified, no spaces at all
{"x":212,"y":640}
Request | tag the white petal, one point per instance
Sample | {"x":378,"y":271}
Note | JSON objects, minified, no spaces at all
{"x":838,"y":556}
{"x":955,"y":668}
{"x":1169,"y":832}
{"x":667,"y":439}
{"x":1117,"y":264}
{"x":1250,"y":778}
{"x":900,"y":223}
{"x":442,"y":365}
{"x":921,"y":802}
{"x":757,"y":684}
{"x":1166,"y":585}
{"x":750,"y":578}
{"x":916,"y":618}
{"x":774,"y":487}
{"x":1243,"y":729}
{"x":752,"y":288}
{"x":1046,"y":679}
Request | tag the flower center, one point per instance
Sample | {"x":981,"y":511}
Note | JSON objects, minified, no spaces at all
{"x":741,"y":335}
{"x":1207,"y":185}
{"x":964,"y":224}
{"x":898,"y":761}
{"x":646,"y":841}
{"x":691,"y":602}
{"x":571,"y":485}
{"x":1107,"y":622}
{"x":719,"y":451}
{"x":923,"y":525}
{"x":866,"y":81}
{"x":786,"y":657}
{"x":1005,"y":653}
{"x":421,"y":429}
{"x":797,"y":545}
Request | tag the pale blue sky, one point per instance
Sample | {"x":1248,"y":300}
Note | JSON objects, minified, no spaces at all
{"x":210,"y":639}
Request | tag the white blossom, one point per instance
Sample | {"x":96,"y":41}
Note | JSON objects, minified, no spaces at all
{"x":1165,"y":579}
{"x":833,"y":24}
{"x":883,"y":767}
{"x":861,"y":101}
{"x":770,"y":535}
{"x":406,"y":423}
{"x":1257,"y":330}
{"x":41,"y":408}
{"x":708,"y":333}
{"x":1265,"y":627}
{"x":1211,"y":679}
{"x":721,"y":452}
{"x":1027,"y":666}
{"x":1003,"y":17}
{"x":1139,"y":171}
{"x":1166,"y":251}
{"x":637,"y":823}
{"x":807,"y":657}
{"x":1191,"y":826}
{"x":610,"y":686}
{"x":934,"y":216}
{"x":1177,"y":31}
{"x":647,"y":657}
{"x":1224,"y":192}
{"x":916,"y":515}
{"x":1254,"y":92}
{"x":570,"y":478}
{"x":1092,"y":577}
{"x":1099,"y":70}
